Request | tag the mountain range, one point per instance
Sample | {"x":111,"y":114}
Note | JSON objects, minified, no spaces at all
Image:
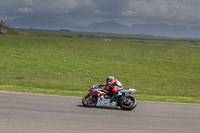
{"x":55,"y":23}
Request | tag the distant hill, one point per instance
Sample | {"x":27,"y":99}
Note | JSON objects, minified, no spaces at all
{"x":109,"y":27}
{"x":162,"y":29}
{"x":55,"y":23}
{"x":42,"y":22}
{"x":159,"y":29}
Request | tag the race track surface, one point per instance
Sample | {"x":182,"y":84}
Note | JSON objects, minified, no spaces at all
{"x":30,"y":113}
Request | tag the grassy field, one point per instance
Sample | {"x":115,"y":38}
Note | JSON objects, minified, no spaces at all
{"x":160,"y":70}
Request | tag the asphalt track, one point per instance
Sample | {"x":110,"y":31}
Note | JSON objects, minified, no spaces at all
{"x":30,"y":113}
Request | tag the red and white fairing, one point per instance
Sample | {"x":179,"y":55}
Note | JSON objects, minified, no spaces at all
{"x":104,"y":98}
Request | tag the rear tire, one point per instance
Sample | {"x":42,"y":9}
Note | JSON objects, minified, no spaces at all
{"x":89,"y":102}
{"x":129,"y":104}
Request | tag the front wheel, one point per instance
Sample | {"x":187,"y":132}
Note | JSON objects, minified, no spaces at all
{"x":128,"y":104}
{"x":89,"y":102}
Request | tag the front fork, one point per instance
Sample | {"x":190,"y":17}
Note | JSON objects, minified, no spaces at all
{"x":91,"y":95}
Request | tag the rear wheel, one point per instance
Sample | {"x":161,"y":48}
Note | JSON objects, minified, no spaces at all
{"x":128,"y":104}
{"x":89,"y":102}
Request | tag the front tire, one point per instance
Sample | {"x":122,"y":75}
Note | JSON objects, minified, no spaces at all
{"x":129,"y":104}
{"x":89,"y":102}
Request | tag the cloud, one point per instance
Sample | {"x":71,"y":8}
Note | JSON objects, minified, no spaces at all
{"x":128,"y":13}
{"x":122,"y":10}
{"x":25,"y":10}
{"x":165,"y":9}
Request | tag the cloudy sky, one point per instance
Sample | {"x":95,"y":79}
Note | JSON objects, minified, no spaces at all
{"x":127,"y":12}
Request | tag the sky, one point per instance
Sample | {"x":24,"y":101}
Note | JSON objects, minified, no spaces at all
{"x":127,"y":12}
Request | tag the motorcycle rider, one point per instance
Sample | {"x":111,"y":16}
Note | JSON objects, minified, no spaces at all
{"x":113,"y":85}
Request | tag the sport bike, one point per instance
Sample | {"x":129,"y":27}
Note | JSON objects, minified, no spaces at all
{"x":101,"y":97}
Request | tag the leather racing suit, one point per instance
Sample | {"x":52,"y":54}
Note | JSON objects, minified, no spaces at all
{"x":113,"y":86}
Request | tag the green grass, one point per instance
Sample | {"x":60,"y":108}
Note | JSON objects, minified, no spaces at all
{"x":160,"y":70}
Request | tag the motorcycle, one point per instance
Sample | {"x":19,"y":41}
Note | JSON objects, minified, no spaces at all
{"x":101,"y":97}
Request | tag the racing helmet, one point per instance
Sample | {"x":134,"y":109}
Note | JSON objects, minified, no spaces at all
{"x":109,"y":78}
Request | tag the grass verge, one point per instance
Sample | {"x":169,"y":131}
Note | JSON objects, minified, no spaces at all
{"x":160,"y":70}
